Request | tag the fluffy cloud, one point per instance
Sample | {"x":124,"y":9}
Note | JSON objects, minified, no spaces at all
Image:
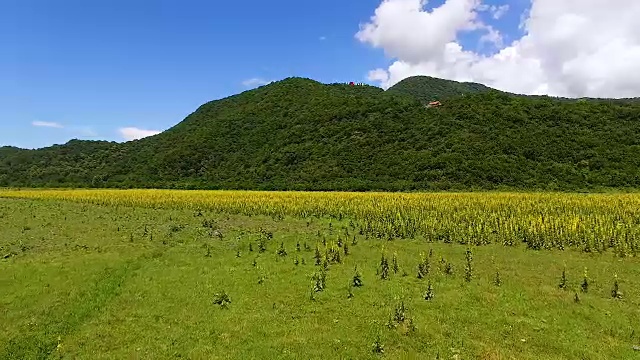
{"x":570,"y":47}
{"x":133,"y":133}
{"x":405,"y":31}
{"x":253,"y":82}
{"x":499,"y":11}
{"x":47,"y":124}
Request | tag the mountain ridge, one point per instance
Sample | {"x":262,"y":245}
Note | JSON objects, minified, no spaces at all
{"x":427,"y":88}
{"x":299,"y":134}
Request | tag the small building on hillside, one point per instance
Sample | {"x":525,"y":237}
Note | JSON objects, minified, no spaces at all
{"x":434,"y":104}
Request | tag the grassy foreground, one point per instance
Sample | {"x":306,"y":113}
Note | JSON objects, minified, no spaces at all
{"x":114,"y":278}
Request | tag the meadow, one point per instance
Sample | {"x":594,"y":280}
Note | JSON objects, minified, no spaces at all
{"x":231,"y":274}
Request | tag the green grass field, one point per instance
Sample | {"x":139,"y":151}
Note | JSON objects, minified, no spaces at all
{"x":83,"y":281}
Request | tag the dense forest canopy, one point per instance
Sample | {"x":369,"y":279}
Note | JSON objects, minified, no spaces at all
{"x":298,"y":134}
{"x":426,"y":88}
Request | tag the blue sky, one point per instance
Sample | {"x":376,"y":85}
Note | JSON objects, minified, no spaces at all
{"x":85,"y":69}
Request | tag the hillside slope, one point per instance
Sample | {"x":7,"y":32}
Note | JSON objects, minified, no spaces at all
{"x":427,"y":88}
{"x":299,"y":134}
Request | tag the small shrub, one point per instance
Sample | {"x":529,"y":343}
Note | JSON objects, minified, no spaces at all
{"x":429,"y":294}
{"x":468,"y":268}
{"x":337,"y":258}
{"x":262,"y":245}
{"x":576,"y":298}
{"x":394,"y":262}
{"x":357,"y":279}
{"x":401,"y":320}
{"x":346,"y":249}
{"x":378,"y":347}
{"x":318,"y":256}
{"x":282,"y":251}
{"x":424,"y":266}
{"x":222,"y":299}
{"x":250,"y":247}
{"x":497,"y":281}
{"x":296,"y":262}
{"x":298,"y":246}
{"x":585,"y":282}
{"x":319,"y":281}
{"x":400,"y":313}
{"x":267,"y":235}
{"x":563,"y":280}
{"x":615,"y":291}
{"x":384,"y":268}
{"x":448,"y":268}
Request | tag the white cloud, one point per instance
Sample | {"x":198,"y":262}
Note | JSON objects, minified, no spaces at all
{"x":496,"y":11}
{"x":500,"y":11}
{"x":323,"y":38}
{"x":133,"y":133}
{"x":570,"y":47}
{"x":491,"y":36}
{"x":47,"y":124}
{"x":404,"y":30}
{"x":379,"y":75}
{"x":253,"y":82}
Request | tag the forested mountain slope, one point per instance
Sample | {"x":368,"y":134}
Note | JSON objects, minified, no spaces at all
{"x":303,"y":135}
{"x":427,"y":88}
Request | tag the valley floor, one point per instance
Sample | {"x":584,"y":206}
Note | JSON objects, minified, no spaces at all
{"x":88,"y":281}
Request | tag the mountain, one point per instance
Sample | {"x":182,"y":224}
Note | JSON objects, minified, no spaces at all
{"x":427,"y":88}
{"x":299,"y":134}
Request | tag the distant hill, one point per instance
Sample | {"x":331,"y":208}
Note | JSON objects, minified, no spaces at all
{"x":427,"y":88}
{"x":299,"y":134}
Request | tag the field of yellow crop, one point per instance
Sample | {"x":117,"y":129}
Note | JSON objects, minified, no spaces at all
{"x":589,"y":222}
